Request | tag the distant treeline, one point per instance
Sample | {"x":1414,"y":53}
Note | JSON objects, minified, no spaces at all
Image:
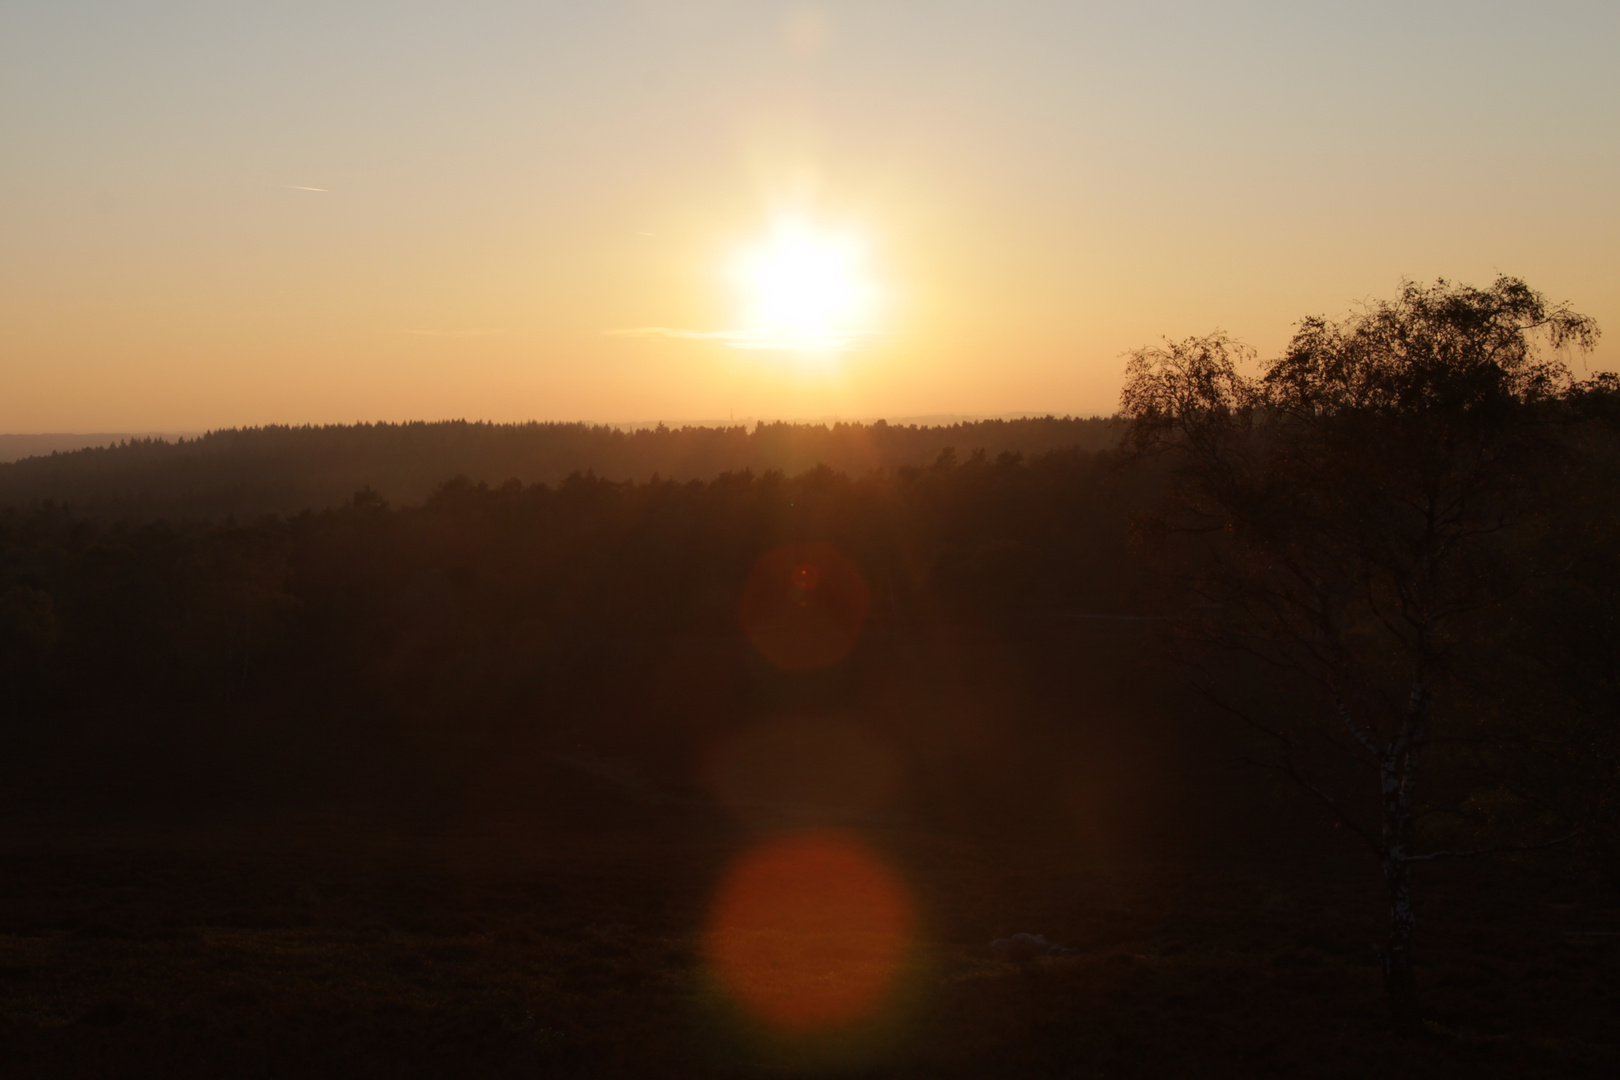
{"x":503,"y":590}
{"x":591,"y":612}
{"x":284,"y":470}
{"x":17,"y":447}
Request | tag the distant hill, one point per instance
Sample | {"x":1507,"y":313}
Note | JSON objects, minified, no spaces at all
{"x":16,"y":447}
{"x":284,"y":470}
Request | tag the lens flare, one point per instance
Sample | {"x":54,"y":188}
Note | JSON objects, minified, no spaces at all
{"x":804,"y":606}
{"x":808,"y":932}
{"x":802,"y":771}
{"x":804,"y":579}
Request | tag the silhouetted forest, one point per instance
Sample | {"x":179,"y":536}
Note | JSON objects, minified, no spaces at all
{"x":17,"y":447}
{"x":592,"y":612}
{"x":603,"y":616}
{"x":448,"y":779}
{"x":288,"y":469}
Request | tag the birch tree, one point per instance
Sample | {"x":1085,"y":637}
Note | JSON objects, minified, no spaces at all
{"x":1337,"y":516}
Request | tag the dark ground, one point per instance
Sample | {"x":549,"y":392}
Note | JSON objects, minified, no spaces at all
{"x":217,"y":896}
{"x":341,"y":945}
{"x":452,"y":790}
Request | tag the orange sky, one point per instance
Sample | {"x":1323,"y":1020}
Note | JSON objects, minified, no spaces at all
{"x":513,"y":195}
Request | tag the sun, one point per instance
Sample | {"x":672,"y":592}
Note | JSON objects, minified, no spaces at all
{"x":804,"y":288}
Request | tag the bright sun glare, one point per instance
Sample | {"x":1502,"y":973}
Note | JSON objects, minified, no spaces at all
{"x":804,"y":289}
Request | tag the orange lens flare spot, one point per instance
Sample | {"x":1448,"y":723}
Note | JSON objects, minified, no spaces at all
{"x":808,"y":932}
{"x":802,"y":771}
{"x":804,"y":606}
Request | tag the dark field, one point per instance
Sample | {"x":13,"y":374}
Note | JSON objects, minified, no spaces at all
{"x":344,"y":948}
{"x":180,"y":905}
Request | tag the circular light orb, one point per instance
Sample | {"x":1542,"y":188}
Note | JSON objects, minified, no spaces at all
{"x":804,"y":606}
{"x":801,"y":771}
{"x":809,"y":932}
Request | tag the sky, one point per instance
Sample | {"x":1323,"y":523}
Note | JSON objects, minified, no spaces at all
{"x":223,"y":214}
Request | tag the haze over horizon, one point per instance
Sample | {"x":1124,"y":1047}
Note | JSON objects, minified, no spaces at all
{"x":231,"y":215}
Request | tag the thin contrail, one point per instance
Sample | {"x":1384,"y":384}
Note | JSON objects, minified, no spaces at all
{"x":300,"y":187}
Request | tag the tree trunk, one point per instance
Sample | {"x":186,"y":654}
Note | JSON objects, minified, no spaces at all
{"x":1400,"y":987}
{"x":1396,"y":774}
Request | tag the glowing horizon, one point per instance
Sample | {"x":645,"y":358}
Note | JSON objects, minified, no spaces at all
{"x":685,"y":208}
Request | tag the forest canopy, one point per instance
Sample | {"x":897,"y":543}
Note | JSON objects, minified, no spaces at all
{"x":280,"y":469}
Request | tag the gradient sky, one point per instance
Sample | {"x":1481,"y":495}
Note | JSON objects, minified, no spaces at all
{"x":512,"y":194}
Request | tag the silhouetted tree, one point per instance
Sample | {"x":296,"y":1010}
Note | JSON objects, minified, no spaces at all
{"x":1340,"y":519}
{"x":1554,"y":690}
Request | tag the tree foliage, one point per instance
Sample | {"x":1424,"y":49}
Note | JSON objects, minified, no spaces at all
{"x":1344,"y":519}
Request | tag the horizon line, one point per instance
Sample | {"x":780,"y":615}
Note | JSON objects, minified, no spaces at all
{"x":921,"y":419}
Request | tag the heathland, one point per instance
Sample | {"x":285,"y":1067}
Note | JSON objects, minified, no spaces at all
{"x":441,"y":750}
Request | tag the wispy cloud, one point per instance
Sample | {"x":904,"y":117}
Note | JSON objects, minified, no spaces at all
{"x":301,"y":187}
{"x":756,"y":338}
{"x":455,"y":333}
